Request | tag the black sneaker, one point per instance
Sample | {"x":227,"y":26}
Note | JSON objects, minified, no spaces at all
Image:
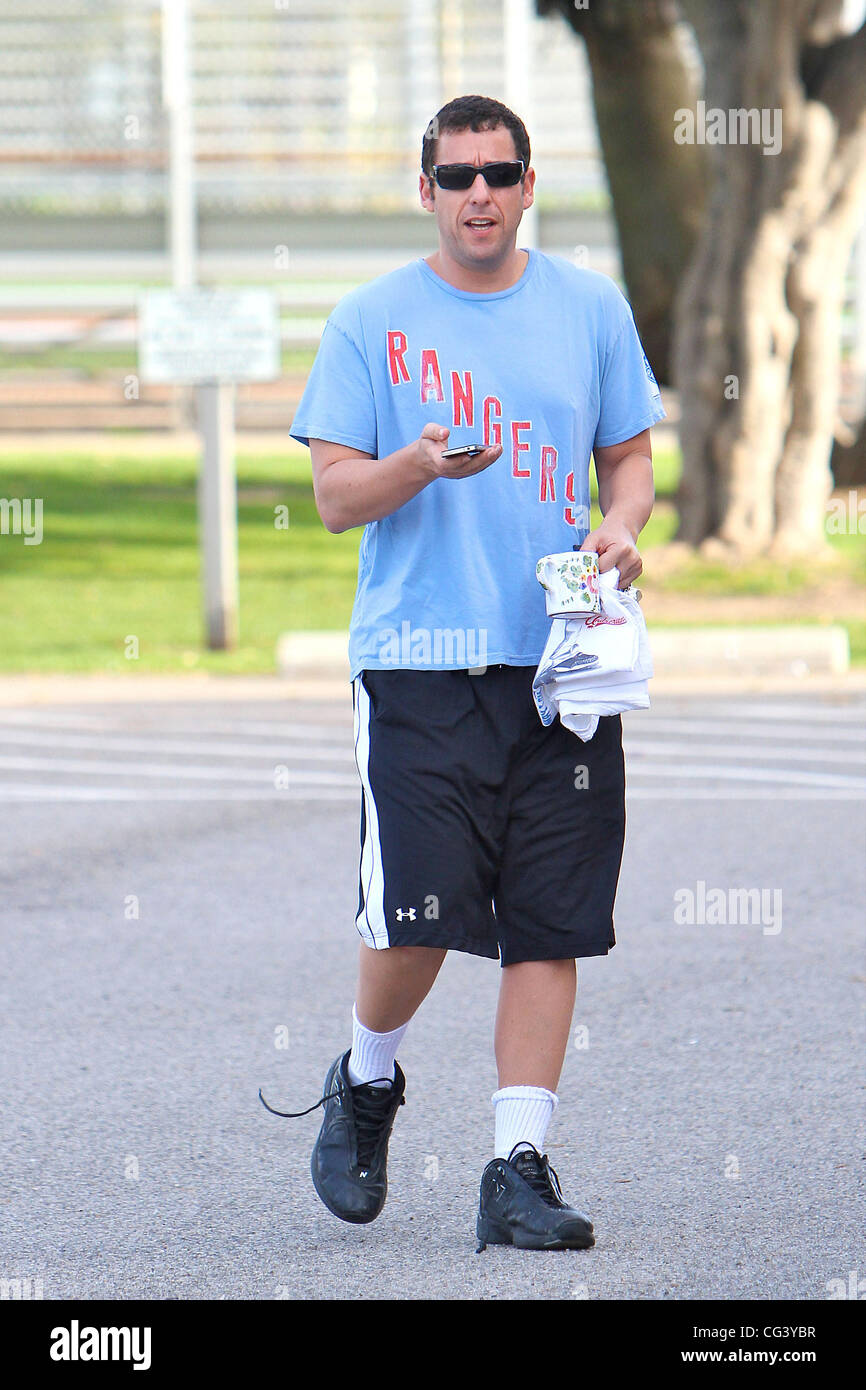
{"x":351,"y":1153}
{"x":522,"y":1204}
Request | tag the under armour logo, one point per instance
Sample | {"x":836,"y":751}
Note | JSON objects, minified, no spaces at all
{"x":405,"y":912}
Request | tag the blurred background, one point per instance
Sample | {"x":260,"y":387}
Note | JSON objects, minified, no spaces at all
{"x":746,"y":271}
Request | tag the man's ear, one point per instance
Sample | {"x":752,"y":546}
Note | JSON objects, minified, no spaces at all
{"x":426,"y":189}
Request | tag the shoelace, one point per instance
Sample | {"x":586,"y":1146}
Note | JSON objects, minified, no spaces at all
{"x":296,"y":1114}
{"x":368,"y":1111}
{"x":541,"y":1178}
{"x":369,"y":1114}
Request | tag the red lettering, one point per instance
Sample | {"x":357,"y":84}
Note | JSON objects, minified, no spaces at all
{"x":431,"y":377}
{"x":519,"y":446}
{"x":492,"y":430}
{"x":397,"y":345}
{"x":548,"y":464}
{"x":462,"y":394}
{"x":568,"y":512}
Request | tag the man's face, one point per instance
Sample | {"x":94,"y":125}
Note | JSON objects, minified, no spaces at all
{"x":478,"y":225}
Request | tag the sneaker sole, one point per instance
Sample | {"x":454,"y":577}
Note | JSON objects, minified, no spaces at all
{"x":352,"y":1217}
{"x":495,"y":1233}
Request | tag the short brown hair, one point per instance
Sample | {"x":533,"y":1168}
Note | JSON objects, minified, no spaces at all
{"x":473,"y":113}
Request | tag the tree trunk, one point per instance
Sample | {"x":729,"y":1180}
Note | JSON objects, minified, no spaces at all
{"x":756,"y":340}
{"x":640,"y":75}
{"x":848,"y":461}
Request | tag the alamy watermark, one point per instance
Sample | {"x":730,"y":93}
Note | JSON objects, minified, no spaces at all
{"x":703,"y":906}
{"x":22,"y":516}
{"x":854,"y":1287}
{"x":846,"y":516}
{"x":738,"y":126}
{"x":21,"y":1287}
{"x":464,"y":647}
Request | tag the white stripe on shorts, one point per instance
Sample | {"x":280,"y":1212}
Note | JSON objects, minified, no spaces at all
{"x":370,"y":921}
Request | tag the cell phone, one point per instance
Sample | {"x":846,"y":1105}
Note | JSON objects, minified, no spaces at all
{"x":467,"y":451}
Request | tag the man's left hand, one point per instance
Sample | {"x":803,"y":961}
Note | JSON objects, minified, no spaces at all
{"x":615,"y":546}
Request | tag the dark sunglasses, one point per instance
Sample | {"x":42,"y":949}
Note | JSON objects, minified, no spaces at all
{"x":501,"y":175}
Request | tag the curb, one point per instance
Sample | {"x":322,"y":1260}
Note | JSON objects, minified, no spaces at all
{"x":314,"y":666}
{"x":709,"y":653}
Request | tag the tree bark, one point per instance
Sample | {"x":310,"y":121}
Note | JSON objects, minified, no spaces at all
{"x":640,"y":76}
{"x":757,"y":319}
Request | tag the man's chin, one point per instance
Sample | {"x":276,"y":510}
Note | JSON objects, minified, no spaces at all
{"x":482,"y":252}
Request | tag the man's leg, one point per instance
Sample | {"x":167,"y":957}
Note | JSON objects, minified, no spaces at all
{"x":533,"y":1021}
{"x":521,"y":1201}
{"x":536,"y":1002}
{"x":366,"y":1085}
{"x":393,"y":983}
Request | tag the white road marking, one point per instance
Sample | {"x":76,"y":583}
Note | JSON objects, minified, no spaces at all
{"x":109,"y":742}
{"x":174,"y":725}
{"x":95,"y":768}
{"x":744,"y":774}
{"x":737,"y":729}
{"x":812,"y":712}
{"x":23,"y":791}
{"x":26,"y":792}
{"x":636,"y":748}
{"x":657,"y":748}
{"x":658,"y":768}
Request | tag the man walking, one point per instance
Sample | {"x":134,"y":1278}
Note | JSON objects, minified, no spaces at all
{"x":475,"y":834}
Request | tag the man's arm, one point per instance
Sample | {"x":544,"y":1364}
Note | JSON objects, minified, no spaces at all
{"x":625,"y":497}
{"x":351,"y":488}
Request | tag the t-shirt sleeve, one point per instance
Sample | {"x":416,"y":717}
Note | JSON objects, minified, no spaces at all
{"x":338,"y":403}
{"x":629,"y":397}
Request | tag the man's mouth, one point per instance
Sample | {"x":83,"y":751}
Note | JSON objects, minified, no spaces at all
{"x":480,"y":224}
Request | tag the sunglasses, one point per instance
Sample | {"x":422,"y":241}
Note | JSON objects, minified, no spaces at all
{"x":500,"y":175}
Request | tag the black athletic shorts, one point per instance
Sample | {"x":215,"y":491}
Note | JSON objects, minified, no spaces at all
{"x":482,"y":830}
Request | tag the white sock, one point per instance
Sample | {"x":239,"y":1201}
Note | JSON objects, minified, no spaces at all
{"x":373,"y":1054}
{"x":522,"y":1115}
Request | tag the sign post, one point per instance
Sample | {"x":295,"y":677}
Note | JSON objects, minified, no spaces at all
{"x":217,"y":513}
{"x":204,"y":338}
{"x":212,"y":339}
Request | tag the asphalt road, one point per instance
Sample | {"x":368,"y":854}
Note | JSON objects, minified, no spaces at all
{"x":177,"y":932}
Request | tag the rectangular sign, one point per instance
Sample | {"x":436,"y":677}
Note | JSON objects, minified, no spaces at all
{"x":208,"y":335}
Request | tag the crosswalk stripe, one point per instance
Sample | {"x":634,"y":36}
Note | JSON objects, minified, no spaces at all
{"x":743,"y":774}
{"x":639,"y":724}
{"x":98,"y":768}
{"x":108,"y":743}
{"x":119,"y":724}
{"x":658,"y":748}
{"x":636,"y":746}
{"x":813,"y":712}
{"x":25,"y":792}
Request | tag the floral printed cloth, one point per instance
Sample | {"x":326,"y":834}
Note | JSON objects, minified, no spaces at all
{"x":597,"y":665}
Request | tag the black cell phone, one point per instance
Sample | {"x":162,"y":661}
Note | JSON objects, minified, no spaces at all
{"x":465,"y":451}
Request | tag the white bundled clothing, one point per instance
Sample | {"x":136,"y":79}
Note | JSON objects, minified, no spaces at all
{"x":595,"y":665}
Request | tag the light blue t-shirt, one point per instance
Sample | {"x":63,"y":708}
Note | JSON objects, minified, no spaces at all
{"x":549,"y":367}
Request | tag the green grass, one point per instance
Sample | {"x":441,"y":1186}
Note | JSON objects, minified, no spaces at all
{"x":120,"y":558}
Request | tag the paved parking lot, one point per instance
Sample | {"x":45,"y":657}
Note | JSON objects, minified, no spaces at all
{"x":178,"y":890}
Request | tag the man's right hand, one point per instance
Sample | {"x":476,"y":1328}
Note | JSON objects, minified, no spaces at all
{"x":434,"y":438}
